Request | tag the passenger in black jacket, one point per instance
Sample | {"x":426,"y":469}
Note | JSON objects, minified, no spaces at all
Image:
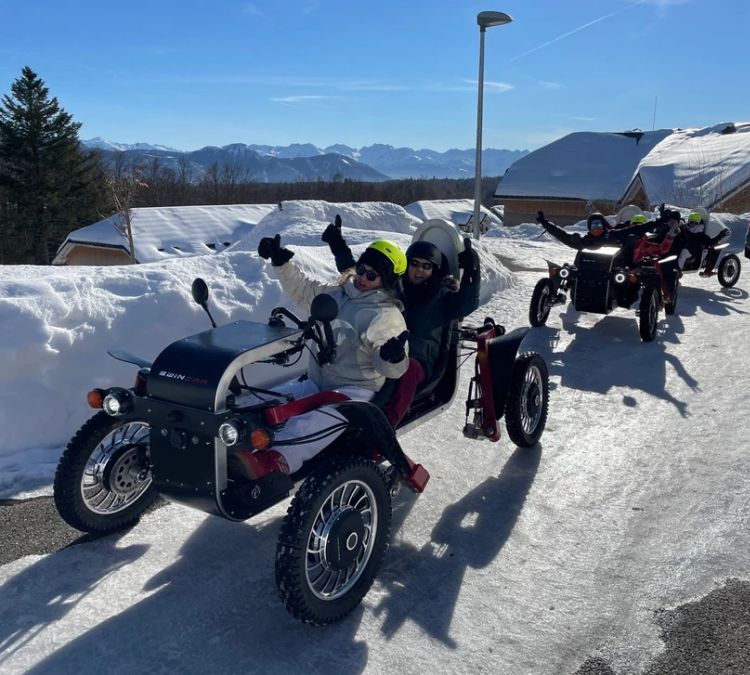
{"x":432,"y":299}
{"x":600,"y":232}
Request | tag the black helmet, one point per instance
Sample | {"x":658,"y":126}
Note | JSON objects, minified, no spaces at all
{"x":426,"y":251}
{"x":596,"y":218}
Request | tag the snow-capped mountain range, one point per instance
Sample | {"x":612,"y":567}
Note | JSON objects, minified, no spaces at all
{"x":305,"y":161}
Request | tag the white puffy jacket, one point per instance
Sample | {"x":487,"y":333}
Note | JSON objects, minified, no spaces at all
{"x":365,"y":321}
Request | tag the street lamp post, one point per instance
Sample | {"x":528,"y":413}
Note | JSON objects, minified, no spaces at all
{"x":484,"y":20}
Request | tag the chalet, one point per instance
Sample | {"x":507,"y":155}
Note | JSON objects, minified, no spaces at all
{"x":574,"y":175}
{"x":159,"y":233}
{"x":587,"y":171}
{"x":458,"y":211}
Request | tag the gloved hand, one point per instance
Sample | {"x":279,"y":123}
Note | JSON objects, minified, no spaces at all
{"x":450,"y":282}
{"x":340,"y":249}
{"x":468,"y":258}
{"x":270,"y":248}
{"x":540,"y":217}
{"x":393,"y":350}
{"x":332,"y":234}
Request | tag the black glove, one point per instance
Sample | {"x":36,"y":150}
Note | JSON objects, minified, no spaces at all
{"x":393,"y":351}
{"x":450,"y":282}
{"x":540,"y":218}
{"x":270,"y":248}
{"x":332,"y":234}
{"x":468,"y":260}
{"x":340,"y":249}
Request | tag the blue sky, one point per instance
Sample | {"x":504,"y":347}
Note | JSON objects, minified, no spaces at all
{"x":189,"y":74}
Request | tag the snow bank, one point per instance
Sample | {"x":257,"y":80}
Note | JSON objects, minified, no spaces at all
{"x":58,"y":322}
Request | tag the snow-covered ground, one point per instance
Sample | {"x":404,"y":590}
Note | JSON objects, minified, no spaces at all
{"x":512,"y":561}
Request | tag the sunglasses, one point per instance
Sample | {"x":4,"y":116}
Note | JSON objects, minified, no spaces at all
{"x":426,"y":266}
{"x":597,"y":226}
{"x":370,"y":274}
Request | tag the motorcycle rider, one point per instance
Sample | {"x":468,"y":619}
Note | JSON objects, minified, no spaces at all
{"x":431,"y":298}
{"x":699,"y":233}
{"x":370,"y":337}
{"x":600,"y":232}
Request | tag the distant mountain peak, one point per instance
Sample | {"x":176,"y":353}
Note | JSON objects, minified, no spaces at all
{"x":378,"y":161}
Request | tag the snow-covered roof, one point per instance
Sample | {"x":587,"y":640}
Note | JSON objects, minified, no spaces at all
{"x":582,"y":165}
{"x":168,"y":231}
{"x":458,"y":211}
{"x":698,"y":166}
{"x":679,"y":166}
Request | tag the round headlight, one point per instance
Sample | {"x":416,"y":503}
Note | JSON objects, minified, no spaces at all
{"x":230,"y":433}
{"x":564,"y":273}
{"x":117,"y":403}
{"x":619,"y":278}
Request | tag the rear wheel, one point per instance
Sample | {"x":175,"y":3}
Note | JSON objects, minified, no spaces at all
{"x":333,"y":540}
{"x":648,"y":313}
{"x":528,"y":400}
{"x":541,"y":303}
{"x":103,"y":482}
{"x":729,"y":270}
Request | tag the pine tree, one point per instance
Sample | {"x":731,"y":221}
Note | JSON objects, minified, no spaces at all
{"x":48,"y":185}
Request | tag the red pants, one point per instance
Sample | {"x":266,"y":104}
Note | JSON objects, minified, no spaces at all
{"x":403,"y":395}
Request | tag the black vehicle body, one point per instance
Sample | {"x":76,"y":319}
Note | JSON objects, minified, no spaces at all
{"x":168,"y":436}
{"x":599,"y":281}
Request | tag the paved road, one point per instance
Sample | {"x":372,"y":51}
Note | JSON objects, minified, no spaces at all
{"x":710,"y":636}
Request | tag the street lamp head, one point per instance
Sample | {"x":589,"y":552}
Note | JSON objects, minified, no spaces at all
{"x":489,"y":19}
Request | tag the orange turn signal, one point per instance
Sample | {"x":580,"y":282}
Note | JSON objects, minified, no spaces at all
{"x":260,"y":439}
{"x":95,"y":398}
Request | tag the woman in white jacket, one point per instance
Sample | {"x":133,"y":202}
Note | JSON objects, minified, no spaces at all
{"x":370,"y":337}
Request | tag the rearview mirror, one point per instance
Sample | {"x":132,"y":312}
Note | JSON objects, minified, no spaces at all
{"x":199,"y":289}
{"x":324,"y":308}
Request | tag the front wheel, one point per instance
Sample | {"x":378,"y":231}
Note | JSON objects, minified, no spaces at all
{"x":103,"y":483}
{"x":333,"y":540}
{"x":528,"y":400}
{"x":729,"y":270}
{"x":671,"y":307}
{"x":648,"y":313}
{"x":541,"y":303}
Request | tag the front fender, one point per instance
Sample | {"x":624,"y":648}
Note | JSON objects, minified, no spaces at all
{"x":501,"y":357}
{"x":374,"y":432}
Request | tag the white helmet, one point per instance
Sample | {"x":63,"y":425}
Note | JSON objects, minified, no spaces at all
{"x":627,"y":212}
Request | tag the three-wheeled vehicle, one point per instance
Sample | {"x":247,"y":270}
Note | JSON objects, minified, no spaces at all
{"x":600,"y":280}
{"x":727,"y":265}
{"x":169,"y":434}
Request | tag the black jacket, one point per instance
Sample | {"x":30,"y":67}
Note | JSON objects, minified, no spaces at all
{"x":429,"y":308}
{"x":616,"y":237}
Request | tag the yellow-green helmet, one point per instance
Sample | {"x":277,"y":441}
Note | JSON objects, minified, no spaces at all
{"x":387,"y":259}
{"x":638,"y":219}
{"x":695,"y":217}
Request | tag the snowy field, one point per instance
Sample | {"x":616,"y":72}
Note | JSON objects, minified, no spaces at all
{"x":512,"y":561}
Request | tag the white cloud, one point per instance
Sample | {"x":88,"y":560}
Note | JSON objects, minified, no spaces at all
{"x":293,"y":100}
{"x":550,"y":85}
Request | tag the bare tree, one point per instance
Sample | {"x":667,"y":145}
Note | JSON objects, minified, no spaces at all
{"x":124,"y":193}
